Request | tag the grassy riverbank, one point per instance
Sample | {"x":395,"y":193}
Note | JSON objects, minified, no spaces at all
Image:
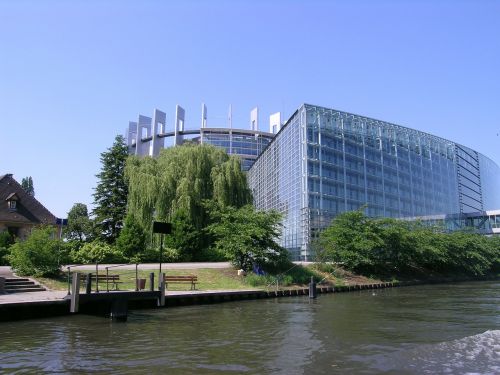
{"x":226,"y":278}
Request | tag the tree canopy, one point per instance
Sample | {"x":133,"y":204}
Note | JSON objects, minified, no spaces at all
{"x":27,"y":184}
{"x":173,"y":187}
{"x":79,"y":226}
{"x":246,"y":236}
{"x":396,"y":247}
{"x":132,"y":240}
{"x":110,"y":197}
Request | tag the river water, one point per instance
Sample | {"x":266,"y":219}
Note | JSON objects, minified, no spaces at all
{"x":435,"y":329}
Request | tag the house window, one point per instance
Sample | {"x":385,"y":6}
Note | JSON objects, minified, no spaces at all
{"x":12,"y":204}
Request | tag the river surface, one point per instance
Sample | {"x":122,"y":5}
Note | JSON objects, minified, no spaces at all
{"x":435,"y":329}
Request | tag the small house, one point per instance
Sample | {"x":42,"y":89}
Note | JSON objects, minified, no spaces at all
{"x":19,"y":211}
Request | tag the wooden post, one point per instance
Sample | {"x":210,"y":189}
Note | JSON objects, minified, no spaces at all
{"x":312,"y":288}
{"x":161,"y":300}
{"x":119,"y":309}
{"x":75,"y":293}
{"x":88,"y":285}
{"x":152,"y":281}
{"x":2,"y":285}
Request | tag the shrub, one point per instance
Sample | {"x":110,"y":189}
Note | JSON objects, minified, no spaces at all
{"x":152,"y":254}
{"x":269,"y":280}
{"x":97,"y":251}
{"x":38,"y":255}
{"x":6,"y":240}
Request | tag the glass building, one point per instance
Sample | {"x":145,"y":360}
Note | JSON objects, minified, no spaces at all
{"x":247,"y":144}
{"x":147,"y":136}
{"x":323,"y":162}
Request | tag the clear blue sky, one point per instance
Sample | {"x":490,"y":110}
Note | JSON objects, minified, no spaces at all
{"x":73,"y":73}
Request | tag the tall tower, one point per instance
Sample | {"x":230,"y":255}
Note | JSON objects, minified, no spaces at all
{"x":179,"y":124}
{"x":275,"y":123}
{"x":157,"y":143}
{"x":254,"y":119}
{"x":203,"y":115}
{"x":143,"y":131}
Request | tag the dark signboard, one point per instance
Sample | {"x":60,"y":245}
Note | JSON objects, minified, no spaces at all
{"x":164,"y":228}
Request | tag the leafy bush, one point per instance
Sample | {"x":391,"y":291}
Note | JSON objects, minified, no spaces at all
{"x":39,"y":255}
{"x":287,"y":275}
{"x":302,"y":275}
{"x":4,"y":252}
{"x":268,"y":280}
{"x":247,"y":236}
{"x":6,"y":240}
{"x":97,"y":251}
{"x":152,"y":254}
{"x":388,"y":247}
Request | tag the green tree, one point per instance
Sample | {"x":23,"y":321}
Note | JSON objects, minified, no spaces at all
{"x":387,"y":247}
{"x":79,"y":226}
{"x":173,"y":186}
{"x":27,"y":184}
{"x":132,"y":240}
{"x":110,"y":197}
{"x":38,"y":255}
{"x":246,"y":236}
{"x":351,"y":239}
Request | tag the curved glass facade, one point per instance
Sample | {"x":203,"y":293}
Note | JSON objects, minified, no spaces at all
{"x":324,"y":162}
{"x":247,"y":144}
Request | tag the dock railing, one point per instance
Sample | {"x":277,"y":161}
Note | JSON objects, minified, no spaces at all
{"x":104,"y":274}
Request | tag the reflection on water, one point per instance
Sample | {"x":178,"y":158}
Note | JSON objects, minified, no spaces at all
{"x":451,"y":329}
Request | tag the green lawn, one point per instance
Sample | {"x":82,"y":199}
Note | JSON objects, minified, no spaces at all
{"x":220,"y":279}
{"x":208,"y":279}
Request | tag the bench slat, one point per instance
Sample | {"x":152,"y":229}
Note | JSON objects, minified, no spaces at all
{"x":191,"y":279}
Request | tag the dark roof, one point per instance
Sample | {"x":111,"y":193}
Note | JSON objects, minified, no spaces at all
{"x":28,"y":209}
{"x":12,"y":196}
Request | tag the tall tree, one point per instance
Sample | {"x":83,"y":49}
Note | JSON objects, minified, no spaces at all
{"x":79,"y":226}
{"x":173,"y":186}
{"x":110,"y":197}
{"x":247,"y":236}
{"x":132,"y":240}
{"x":27,"y":184}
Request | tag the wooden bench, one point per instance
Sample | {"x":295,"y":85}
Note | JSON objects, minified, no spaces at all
{"x":183,"y":279}
{"x":103,"y":278}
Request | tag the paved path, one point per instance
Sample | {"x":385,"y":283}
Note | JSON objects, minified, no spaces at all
{"x":32,"y":297}
{"x":50,"y":295}
{"x":5,"y":271}
{"x":59,"y":295}
{"x":155,"y":266}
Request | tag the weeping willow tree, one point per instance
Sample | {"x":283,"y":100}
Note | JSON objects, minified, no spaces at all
{"x":173,"y":186}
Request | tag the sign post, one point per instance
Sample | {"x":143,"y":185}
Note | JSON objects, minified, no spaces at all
{"x":60,"y":222}
{"x":161,"y":228}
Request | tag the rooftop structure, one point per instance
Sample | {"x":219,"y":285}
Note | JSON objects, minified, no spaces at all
{"x":146,"y":136}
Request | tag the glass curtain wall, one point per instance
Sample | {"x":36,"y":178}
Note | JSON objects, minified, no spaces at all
{"x":324,"y":162}
{"x":356,"y":162}
{"x":278,"y":182}
{"x":246,"y":144}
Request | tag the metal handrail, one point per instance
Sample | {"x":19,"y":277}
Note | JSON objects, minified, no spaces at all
{"x":116,"y":266}
{"x":278,"y":276}
{"x":68,"y":268}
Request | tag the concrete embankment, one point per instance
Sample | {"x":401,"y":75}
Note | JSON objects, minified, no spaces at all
{"x":54,"y":304}
{"x":16,"y":309}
